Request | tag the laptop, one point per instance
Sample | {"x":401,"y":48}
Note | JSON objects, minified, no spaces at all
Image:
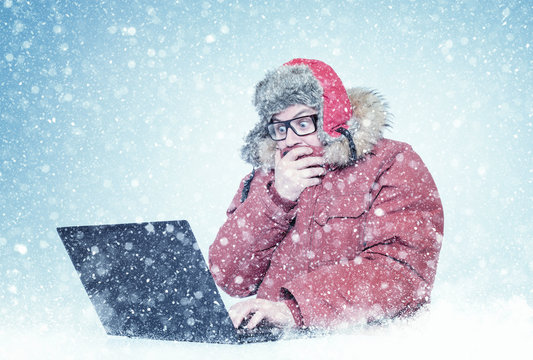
{"x":150,"y":280}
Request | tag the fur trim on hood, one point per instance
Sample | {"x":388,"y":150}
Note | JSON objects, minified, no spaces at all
{"x":369,"y":117}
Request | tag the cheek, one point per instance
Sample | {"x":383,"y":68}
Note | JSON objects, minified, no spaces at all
{"x":312,"y":140}
{"x":281,"y":145}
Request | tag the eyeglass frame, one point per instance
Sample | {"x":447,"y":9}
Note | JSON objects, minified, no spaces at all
{"x":287,"y":123}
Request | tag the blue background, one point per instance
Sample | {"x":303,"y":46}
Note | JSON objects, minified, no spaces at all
{"x":135,"y":111}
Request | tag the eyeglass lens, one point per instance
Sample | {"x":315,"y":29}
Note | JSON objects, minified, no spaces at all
{"x":301,"y":126}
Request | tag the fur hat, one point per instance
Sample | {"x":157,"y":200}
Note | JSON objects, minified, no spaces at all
{"x":340,"y":112}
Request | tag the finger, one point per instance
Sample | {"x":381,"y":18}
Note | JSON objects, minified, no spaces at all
{"x":236,"y":318}
{"x":296,"y":152}
{"x":309,"y":161}
{"x":277,"y":157}
{"x":312,"y":172}
{"x":255,"y":320}
{"x":311,"y":182}
{"x":238,"y":313}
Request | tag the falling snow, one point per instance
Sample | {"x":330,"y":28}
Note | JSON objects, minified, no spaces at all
{"x":115,"y":112}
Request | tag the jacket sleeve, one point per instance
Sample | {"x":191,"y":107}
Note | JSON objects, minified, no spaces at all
{"x":394,"y":273}
{"x":240,"y":255}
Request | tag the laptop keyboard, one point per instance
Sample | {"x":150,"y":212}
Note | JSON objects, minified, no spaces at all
{"x":264,"y":331}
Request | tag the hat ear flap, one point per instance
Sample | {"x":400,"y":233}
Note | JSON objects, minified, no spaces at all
{"x":259,"y":148}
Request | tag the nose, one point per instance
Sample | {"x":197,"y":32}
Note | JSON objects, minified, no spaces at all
{"x":292,"y":139}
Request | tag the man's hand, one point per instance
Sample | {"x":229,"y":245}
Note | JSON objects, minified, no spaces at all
{"x":277,"y":313}
{"x":293,"y":175}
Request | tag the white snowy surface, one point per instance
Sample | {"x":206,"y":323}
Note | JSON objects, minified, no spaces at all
{"x":502,"y":330}
{"x":135,"y":111}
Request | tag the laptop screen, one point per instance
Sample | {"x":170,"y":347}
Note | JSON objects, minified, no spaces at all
{"x":149,"y":280}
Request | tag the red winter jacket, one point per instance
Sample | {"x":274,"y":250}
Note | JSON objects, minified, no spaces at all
{"x":361,"y":246}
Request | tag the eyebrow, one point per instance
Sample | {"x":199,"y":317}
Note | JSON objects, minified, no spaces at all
{"x":298,"y":114}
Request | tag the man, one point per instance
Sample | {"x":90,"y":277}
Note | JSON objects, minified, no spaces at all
{"x":336,"y":225}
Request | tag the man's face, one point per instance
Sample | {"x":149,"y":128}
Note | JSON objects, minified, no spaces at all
{"x":295,"y":111}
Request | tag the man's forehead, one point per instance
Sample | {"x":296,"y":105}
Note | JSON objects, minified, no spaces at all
{"x":291,"y":113}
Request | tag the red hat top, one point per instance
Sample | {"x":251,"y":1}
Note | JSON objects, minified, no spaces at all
{"x":337,"y":109}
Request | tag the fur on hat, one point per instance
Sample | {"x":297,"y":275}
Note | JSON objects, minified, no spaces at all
{"x":296,"y":83}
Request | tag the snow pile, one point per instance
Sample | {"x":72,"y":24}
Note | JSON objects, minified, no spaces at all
{"x":500,"y":330}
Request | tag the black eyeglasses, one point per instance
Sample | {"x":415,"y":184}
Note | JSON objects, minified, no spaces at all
{"x":303,"y":125}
